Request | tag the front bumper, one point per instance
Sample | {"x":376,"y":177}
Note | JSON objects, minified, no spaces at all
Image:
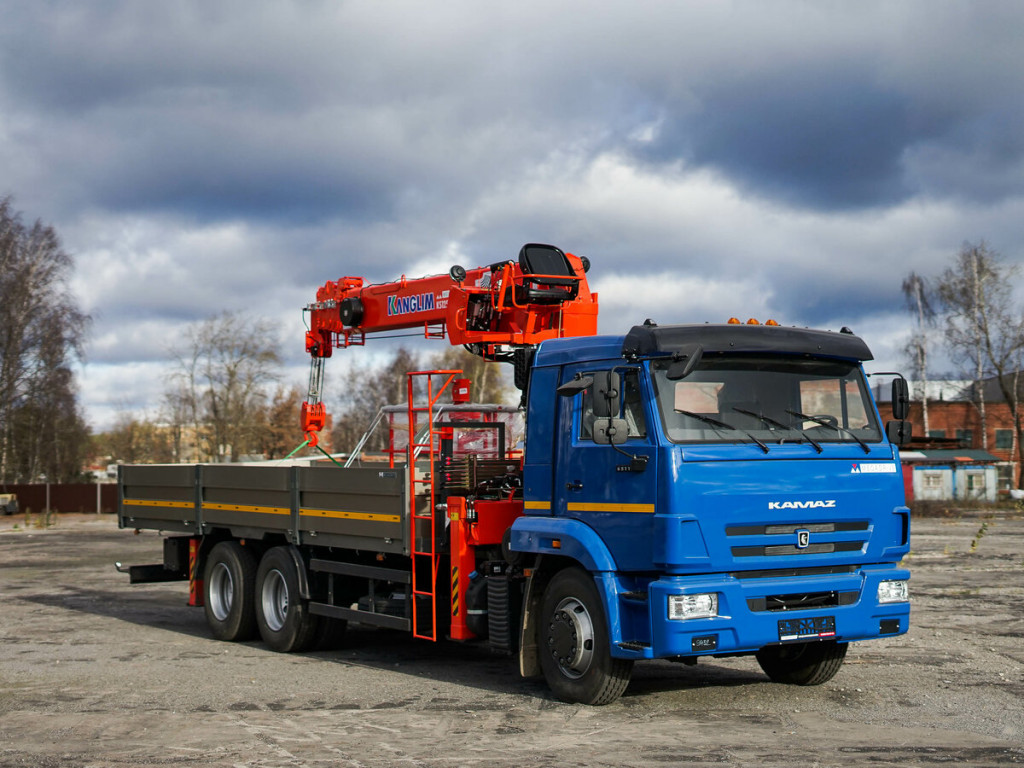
{"x":757,"y":611}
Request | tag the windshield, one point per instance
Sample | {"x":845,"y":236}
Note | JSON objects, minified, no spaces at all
{"x":740,"y":398}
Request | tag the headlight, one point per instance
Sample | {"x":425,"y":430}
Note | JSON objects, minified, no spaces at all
{"x":893,"y":591}
{"x":693,"y":606}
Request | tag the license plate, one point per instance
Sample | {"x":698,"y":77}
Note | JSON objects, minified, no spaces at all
{"x":818,"y":627}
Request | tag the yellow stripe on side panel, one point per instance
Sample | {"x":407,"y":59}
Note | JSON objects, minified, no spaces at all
{"x":376,"y":518}
{"x":647,"y":509}
{"x":152,"y":503}
{"x":545,"y":505}
{"x":248,"y":508}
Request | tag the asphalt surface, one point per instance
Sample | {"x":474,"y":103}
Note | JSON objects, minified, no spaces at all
{"x":98,"y":673}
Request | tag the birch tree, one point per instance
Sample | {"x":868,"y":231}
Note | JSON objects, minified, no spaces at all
{"x":984,"y":328}
{"x":918,"y":293}
{"x":224,"y":371}
{"x":42,"y":333}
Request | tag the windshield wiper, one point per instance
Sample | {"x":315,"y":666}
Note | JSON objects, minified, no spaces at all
{"x":836,"y":427}
{"x":780,"y":425}
{"x":721,"y":425}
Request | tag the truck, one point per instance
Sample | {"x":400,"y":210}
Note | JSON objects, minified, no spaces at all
{"x":682,"y":492}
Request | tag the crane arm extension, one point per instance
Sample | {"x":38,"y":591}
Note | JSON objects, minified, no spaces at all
{"x":543,"y":295}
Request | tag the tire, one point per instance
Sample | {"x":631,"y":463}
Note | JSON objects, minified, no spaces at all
{"x":572,"y":637}
{"x":229,"y":589}
{"x":804,"y":663}
{"x":282,"y":616}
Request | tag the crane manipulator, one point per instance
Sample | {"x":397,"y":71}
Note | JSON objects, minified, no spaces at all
{"x":499,"y":312}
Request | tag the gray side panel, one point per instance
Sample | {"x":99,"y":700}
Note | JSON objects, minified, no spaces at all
{"x":359,"y":507}
{"x":157,"y":496}
{"x":255,"y":498}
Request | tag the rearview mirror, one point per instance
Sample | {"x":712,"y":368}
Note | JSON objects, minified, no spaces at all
{"x":606,"y":394}
{"x":610,"y":431}
{"x":899,"y":432}
{"x":900,"y":399}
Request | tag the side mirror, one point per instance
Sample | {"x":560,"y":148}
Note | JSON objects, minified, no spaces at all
{"x":899,"y":432}
{"x":574,"y":386}
{"x":610,"y":431}
{"x":684,"y":361}
{"x":900,"y":399}
{"x":606,"y":394}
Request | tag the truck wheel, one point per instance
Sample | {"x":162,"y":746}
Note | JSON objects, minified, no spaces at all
{"x":802,"y":664}
{"x":229,"y":584}
{"x":572,"y":636}
{"x":283,"y":617}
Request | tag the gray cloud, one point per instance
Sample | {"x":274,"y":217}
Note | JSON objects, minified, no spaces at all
{"x":199,"y":157}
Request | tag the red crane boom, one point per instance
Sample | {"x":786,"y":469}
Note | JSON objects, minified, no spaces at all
{"x":492,"y":311}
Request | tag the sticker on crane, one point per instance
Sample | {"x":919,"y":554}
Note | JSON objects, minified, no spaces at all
{"x":405,"y":305}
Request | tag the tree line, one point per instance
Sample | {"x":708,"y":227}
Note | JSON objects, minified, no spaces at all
{"x":224,"y":401}
{"x":969,"y":311}
{"x":43,"y":435}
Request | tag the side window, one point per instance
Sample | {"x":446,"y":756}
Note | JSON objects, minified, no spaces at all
{"x":632,"y":407}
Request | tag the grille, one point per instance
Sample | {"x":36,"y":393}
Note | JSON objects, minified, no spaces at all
{"x":787,"y":532}
{"x":801,"y":601}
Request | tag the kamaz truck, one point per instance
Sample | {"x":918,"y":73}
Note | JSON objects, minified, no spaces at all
{"x":683,"y":491}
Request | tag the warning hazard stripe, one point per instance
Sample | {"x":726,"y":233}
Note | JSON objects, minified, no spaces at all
{"x":585,"y":506}
{"x":247,"y":508}
{"x":372,"y":516}
{"x":261,"y":510}
{"x":150,"y":503}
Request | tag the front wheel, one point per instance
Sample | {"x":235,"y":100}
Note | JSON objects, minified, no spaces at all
{"x":804,"y":663}
{"x":283,"y":617}
{"x":574,"y":645}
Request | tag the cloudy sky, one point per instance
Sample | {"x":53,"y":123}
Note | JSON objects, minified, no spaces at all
{"x":782,"y":159}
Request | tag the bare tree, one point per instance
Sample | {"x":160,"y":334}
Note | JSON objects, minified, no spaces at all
{"x":221,"y":383}
{"x":918,"y":293}
{"x":42,"y":332}
{"x":985,"y":328}
{"x":365,"y":390}
{"x":282,"y":433}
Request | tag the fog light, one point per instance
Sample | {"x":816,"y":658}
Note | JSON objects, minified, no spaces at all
{"x":693,"y":606}
{"x":893,"y":591}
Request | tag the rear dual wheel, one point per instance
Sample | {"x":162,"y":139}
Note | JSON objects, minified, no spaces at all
{"x":282,"y":616}
{"x":229,"y":586}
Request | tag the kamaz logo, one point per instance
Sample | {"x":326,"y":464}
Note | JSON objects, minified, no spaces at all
{"x":829,"y":504}
{"x":403,"y":305}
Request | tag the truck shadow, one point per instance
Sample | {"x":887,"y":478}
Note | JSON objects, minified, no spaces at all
{"x":474,"y":665}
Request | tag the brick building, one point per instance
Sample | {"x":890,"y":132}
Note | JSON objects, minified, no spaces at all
{"x":954,"y":421}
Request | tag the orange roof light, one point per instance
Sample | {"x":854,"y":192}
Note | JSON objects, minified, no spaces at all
{"x":752,"y":321}
{"x":770,"y":322}
{"x":734,"y":321}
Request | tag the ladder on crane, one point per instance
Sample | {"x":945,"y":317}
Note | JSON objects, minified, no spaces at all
{"x":423,"y":512}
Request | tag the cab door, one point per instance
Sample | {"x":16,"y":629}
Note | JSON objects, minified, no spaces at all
{"x":612,"y":491}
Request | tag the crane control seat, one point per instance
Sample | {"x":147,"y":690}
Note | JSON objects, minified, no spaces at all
{"x":555,"y":280}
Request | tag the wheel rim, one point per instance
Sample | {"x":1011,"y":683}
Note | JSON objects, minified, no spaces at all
{"x":274,"y":598}
{"x":571,"y":638}
{"x":221,"y":591}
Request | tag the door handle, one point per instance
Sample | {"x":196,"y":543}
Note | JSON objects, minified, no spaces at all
{"x":575,"y":485}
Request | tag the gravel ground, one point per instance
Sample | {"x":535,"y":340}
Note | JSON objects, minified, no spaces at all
{"x":99,"y":673}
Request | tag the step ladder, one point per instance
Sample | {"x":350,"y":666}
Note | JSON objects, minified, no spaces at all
{"x":423,"y":514}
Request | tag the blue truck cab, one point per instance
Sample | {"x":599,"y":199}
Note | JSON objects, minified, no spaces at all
{"x":707,"y":490}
